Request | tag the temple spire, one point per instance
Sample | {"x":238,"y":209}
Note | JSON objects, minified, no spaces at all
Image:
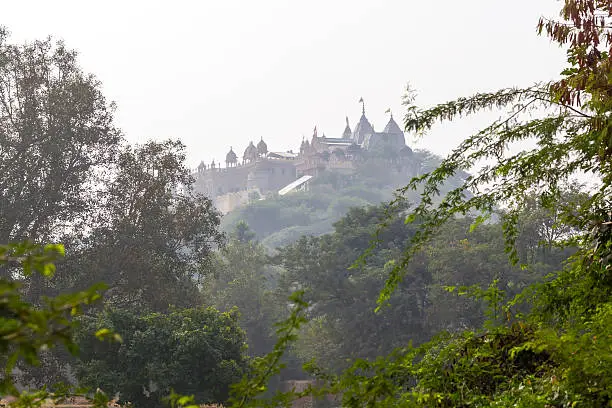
{"x":362,"y":105}
{"x":348,"y":133}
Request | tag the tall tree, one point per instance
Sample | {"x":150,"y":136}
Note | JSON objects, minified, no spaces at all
{"x":56,"y":130}
{"x":244,"y":279}
{"x":152,"y":239}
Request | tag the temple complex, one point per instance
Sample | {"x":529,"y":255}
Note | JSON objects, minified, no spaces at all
{"x":260,"y":172}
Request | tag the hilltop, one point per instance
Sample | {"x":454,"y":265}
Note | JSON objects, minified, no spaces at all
{"x":280,"y":220}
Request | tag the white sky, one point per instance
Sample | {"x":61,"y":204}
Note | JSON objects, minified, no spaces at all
{"x":219,"y":74}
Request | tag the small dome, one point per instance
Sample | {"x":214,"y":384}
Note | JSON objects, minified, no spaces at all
{"x":392,"y":127}
{"x":262,"y":147}
{"x":250,"y":153}
{"x":231,"y":157}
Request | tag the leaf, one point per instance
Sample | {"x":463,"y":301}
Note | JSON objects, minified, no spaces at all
{"x":410,"y":218}
{"x":478,"y":221}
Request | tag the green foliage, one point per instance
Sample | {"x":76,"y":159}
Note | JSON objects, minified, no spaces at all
{"x":245,"y":393}
{"x":159,"y":233}
{"x":128,"y":216}
{"x":515,"y":365}
{"x":493,"y":296}
{"x":26,"y":330}
{"x":243,"y":279}
{"x":57,"y":131}
{"x":198,"y":351}
{"x":343,"y":324}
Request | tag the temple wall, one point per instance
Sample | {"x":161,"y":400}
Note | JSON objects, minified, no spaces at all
{"x":265,"y":175}
{"x":230,"y":201}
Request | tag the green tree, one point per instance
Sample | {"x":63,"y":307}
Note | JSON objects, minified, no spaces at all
{"x":344,"y":325}
{"x":56,"y":133}
{"x":244,"y":279}
{"x":342,"y":301}
{"x":560,"y":354}
{"x":198,"y":351}
{"x":27,"y":330}
{"x":153,"y":239}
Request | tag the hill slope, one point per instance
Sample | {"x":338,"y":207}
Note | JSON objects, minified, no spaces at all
{"x":281,"y":220}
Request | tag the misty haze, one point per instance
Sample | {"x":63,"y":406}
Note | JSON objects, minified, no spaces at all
{"x":329,"y":204}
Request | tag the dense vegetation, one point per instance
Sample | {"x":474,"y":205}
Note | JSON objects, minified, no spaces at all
{"x":488,"y":289}
{"x":197,"y":351}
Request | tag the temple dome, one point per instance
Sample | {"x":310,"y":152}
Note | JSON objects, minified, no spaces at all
{"x":250,"y":153}
{"x":392,"y":127}
{"x":262,"y":147}
{"x":231,"y":156}
{"x":362,"y":129}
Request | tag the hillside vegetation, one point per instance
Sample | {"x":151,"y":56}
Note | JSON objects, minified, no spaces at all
{"x":281,"y":220}
{"x":487,"y":289}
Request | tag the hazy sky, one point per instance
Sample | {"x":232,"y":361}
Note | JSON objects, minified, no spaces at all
{"x":219,"y":74}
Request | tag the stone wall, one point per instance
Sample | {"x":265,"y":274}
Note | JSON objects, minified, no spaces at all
{"x":230,"y":201}
{"x":265,"y":175}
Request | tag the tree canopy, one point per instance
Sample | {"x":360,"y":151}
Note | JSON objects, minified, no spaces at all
{"x":56,"y":130}
{"x":197,"y":351}
{"x":476,"y":286}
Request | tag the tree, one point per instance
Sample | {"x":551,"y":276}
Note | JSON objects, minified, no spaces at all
{"x":344,"y":325}
{"x":244,"y":279}
{"x":198,"y":351}
{"x":56,"y":133}
{"x":558,"y":355}
{"x":572,"y":137}
{"x":542,"y":229}
{"x":153,"y":238}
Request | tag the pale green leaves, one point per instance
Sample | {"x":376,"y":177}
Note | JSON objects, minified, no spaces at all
{"x":108,"y":335}
{"x":32,"y":257}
